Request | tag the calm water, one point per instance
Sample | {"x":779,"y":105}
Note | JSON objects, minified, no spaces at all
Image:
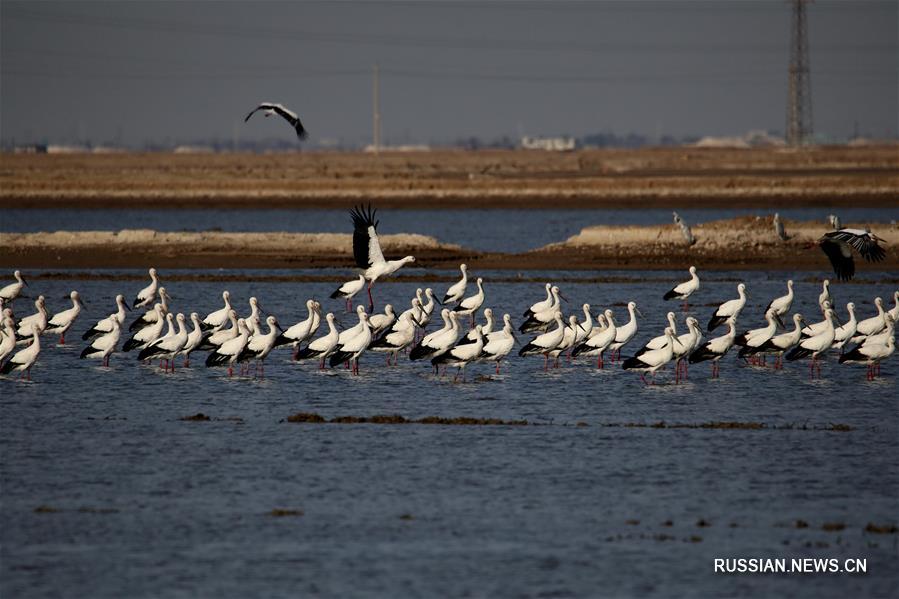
{"x":148,"y":505}
{"x":486,"y":230}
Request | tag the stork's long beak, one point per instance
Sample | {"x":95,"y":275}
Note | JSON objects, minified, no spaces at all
{"x":127,"y":307}
{"x":637,"y":310}
{"x":562,"y":296}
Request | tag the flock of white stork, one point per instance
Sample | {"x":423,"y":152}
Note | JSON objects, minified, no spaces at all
{"x":160,"y":334}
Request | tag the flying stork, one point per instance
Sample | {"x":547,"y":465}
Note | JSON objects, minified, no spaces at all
{"x":367,"y":249}
{"x":838,"y":246}
{"x":291,"y":117}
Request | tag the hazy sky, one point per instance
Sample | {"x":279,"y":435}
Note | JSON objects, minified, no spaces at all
{"x":175,"y":71}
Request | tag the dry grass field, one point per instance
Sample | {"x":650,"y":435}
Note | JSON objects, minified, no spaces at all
{"x":666,"y":177}
{"x":767,"y":179}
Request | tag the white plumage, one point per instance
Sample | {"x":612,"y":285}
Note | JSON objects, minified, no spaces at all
{"x":147,"y":295}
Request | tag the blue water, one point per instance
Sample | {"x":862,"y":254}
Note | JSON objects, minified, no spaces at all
{"x":486,"y":230}
{"x":149,"y":505}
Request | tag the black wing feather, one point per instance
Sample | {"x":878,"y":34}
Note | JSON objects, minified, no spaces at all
{"x":363,"y":218}
{"x":843,"y":266}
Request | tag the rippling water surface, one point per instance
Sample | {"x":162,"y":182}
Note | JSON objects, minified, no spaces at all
{"x":107,"y":493}
{"x":522,"y":230}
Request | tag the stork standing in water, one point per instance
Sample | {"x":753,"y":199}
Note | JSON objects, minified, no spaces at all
{"x":302,"y":330}
{"x":25,"y":358}
{"x":685,"y":289}
{"x":63,"y":321}
{"x":654,"y":359}
{"x":457,"y":290}
{"x":686,"y":343}
{"x":216,"y":320}
{"x":354,"y":347}
{"x":147,"y":295}
{"x":367,"y":250}
{"x":838,"y":246}
{"x":729,"y":310}
{"x":322,"y":347}
{"x":780,"y":344}
{"x":461,"y":355}
{"x":102,"y":347}
{"x":349,"y":290}
{"x":498,"y":344}
{"x":228,"y":351}
{"x":547,"y":342}
{"x":291,"y":117}
{"x":625,"y":332}
{"x":872,"y":353}
{"x":471,"y":304}
{"x":194,"y":338}
{"x":104,"y":325}
{"x":397,"y":339}
{"x":781,"y":305}
{"x":815,"y":346}
{"x":716,"y":348}
{"x":12,"y":291}
{"x":600,"y":339}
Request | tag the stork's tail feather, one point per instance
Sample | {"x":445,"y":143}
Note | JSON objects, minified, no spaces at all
{"x":632,"y":362}
{"x":700,"y":355}
{"x":670,"y":295}
{"x":339,"y":357}
{"x":418,"y":352}
{"x":797,"y":353}
{"x":216,"y":359}
{"x":306,"y":353}
{"x":716,"y":322}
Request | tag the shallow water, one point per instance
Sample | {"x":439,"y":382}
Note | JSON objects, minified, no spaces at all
{"x":486,"y":230}
{"x":150,"y":505}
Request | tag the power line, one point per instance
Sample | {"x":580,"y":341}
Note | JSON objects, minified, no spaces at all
{"x":469,"y":43}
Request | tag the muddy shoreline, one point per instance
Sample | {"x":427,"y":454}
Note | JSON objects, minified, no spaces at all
{"x":742,"y":243}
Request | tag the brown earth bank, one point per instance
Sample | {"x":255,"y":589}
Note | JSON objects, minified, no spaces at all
{"x":734,"y":244}
{"x":656,"y":177}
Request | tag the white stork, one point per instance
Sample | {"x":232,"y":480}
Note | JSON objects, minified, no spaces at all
{"x":729,"y":309}
{"x":715,"y":349}
{"x":103,"y":346}
{"x":291,"y":117}
{"x":367,"y":250}
{"x":104,"y":325}
{"x":838,"y":246}
{"x":25,"y":358}
{"x":12,"y":291}
{"x":781,"y":305}
{"x":322,"y":347}
{"x":63,"y":321}
{"x":349,"y":290}
{"x":216,"y":320}
{"x":457,"y":290}
{"x":498,"y":344}
{"x":780,"y":344}
{"x":871,"y":354}
{"x":461,"y":355}
{"x":228,"y":352}
{"x":352,"y":349}
{"x":653,"y":360}
{"x":685,"y":289}
{"x":147,"y":295}
{"x":169,"y":346}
